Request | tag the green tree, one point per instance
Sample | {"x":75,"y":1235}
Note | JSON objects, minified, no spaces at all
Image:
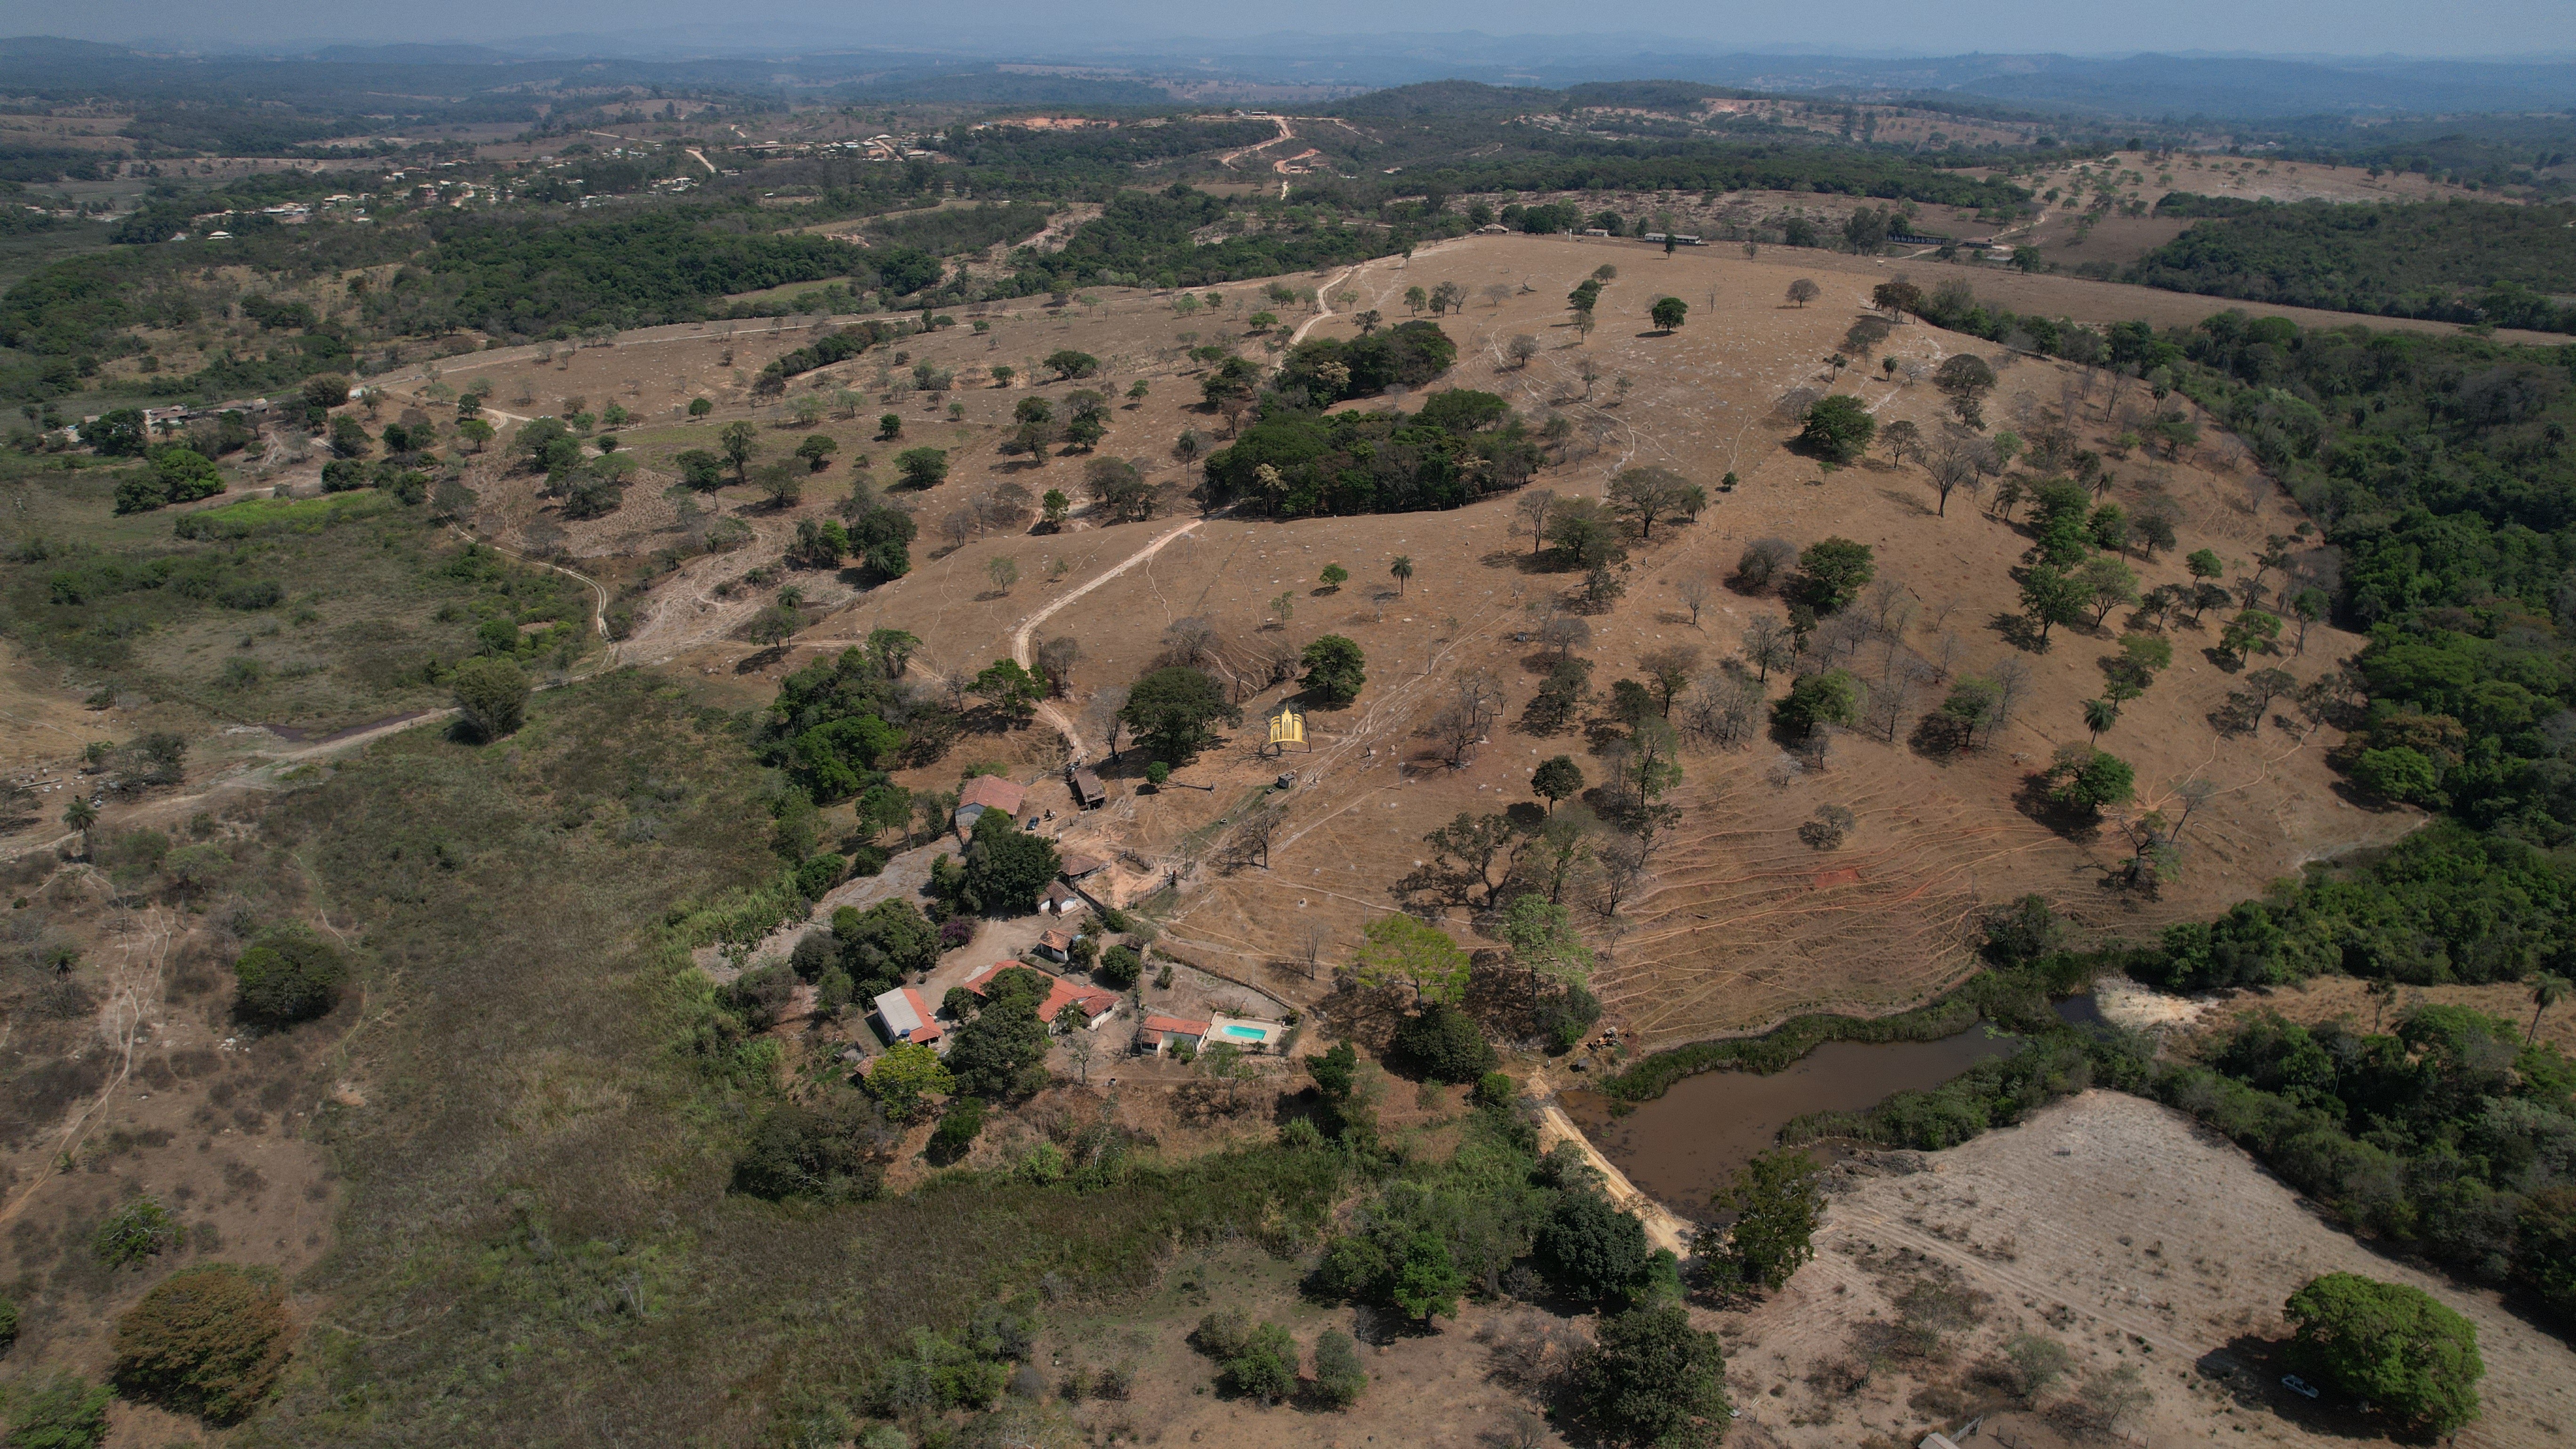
{"x":208,"y":1340}
{"x":1265,"y":1367}
{"x":1402,"y":569}
{"x":2108,"y":583}
{"x":1965,"y":380}
{"x":1402,"y":951}
{"x":1557,"y":778}
{"x":82,"y":816}
{"x":1443,"y":1044}
{"x":922,"y":467}
{"x":817,"y":451}
{"x":1668,"y":313}
{"x":906,"y":1077}
{"x":1591,"y":1248}
{"x":889,"y":427}
{"x":1335,"y":669}
{"x":1544,"y":943}
{"x":999,"y":1050}
{"x":1832,"y":573}
{"x":1814,"y":700}
{"x":1838,"y":428}
{"x":1007,"y":868}
{"x":492,"y":695}
{"x":1171,"y":712}
{"x":1335,"y":576}
{"x":288,"y":976}
{"x":2389,"y":1344}
{"x":1339,"y":1378}
{"x":699,"y":407}
{"x":1649,"y":1378}
{"x":2050,"y":597}
{"x":2204,"y":563}
{"x":2085,"y":780}
{"x":1427,"y":1280}
{"x":738,"y":442}
{"x":1069,"y":365}
{"x":2249,"y":633}
{"x":1776,"y":1200}
{"x":1011,"y":690}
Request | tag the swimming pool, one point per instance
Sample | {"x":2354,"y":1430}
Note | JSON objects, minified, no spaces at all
{"x":1253,"y":1033}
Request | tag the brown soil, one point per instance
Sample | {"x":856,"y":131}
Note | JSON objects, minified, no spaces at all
{"x":1879,"y":925}
{"x":2124,"y":1232}
{"x":130,"y":1078}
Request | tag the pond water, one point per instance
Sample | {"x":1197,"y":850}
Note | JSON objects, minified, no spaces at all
{"x":1688,"y":1143}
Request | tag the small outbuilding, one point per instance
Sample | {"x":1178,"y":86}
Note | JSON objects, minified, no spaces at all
{"x":902,"y":1016}
{"x":1061,"y":900}
{"x":1161,"y":1034}
{"x":1088,"y":792}
{"x":986,"y":792}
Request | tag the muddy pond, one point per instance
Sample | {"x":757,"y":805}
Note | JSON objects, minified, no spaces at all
{"x":1688,"y":1143}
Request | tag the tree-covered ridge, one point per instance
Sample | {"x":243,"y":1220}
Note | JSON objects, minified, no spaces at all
{"x":2458,"y":261}
{"x":1153,"y":236}
{"x":2439,"y":468}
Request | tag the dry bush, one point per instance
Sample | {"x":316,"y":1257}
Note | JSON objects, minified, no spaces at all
{"x":2108,"y":1402}
{"x":1530,"y":1349}
{"x":208,"y":1341}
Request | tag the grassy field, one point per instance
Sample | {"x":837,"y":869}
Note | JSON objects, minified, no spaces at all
{"x":317,"y":613}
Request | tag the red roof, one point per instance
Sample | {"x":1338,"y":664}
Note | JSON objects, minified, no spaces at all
{"x":993,"y":793}
{"x":1056,"y":940}
{"x":1155,"y":1026}
{"x":1095,"y":1003}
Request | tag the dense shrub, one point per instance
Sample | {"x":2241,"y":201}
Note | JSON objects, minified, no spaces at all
{"x":822,"y":1152}
{"x":207,"y":1341}
{"x":1443,"y":1044}
{"x":2389,"y":1345}
{"x":288,"y":976}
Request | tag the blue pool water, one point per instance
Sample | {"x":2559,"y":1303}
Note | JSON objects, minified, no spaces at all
{"x":1254,"y":1032}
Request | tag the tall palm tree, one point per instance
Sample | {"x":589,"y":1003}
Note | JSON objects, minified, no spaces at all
{"x":1402,"y":568}
{"x":2100,"y":715}
{"x":2546,"y":991}
{"x":81,"y":815}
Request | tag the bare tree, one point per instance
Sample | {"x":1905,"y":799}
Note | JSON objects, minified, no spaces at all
{"x":1693,"y":591}
{"x":1564,"y":633}
{"x":1950,"y":469}
{"x":1622,"y":867}
{"x":1722,"y":708}
{"x":1248,"y":843}
{"x":1475,"y":702}
{"x":1890,"y":605}
{"x":1534,"y":505}
{"x":1102,"y":714}
{"x":1891,"y":698}
{"x":2012,"y":685}
{"x":1766,"y":645}
{"x":2193,"y":793}
{"x":1188,"y":641}
{"x":1311,"y":947}
{"x":1056,"y":658}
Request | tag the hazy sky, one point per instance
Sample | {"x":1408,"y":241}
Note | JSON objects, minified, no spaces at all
{"x":2495,"y":28}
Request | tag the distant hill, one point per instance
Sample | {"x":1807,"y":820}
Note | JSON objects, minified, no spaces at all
{"x":1445,"y":98}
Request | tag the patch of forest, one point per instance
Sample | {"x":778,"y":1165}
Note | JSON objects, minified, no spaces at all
{"x":2452,"y":261}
